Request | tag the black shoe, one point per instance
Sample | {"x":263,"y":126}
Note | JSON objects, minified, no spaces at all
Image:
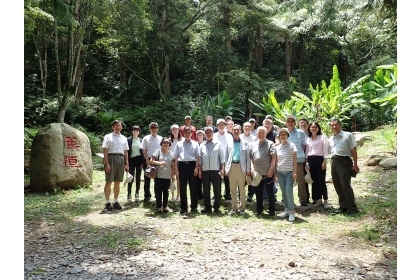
{"x":249,"y":199}
{"x":183,"y":211}
{"x":206,"y":210}
{"x":303,"y":204}
{"x":258,"y":213}
{"x":216,"y":211}
{"x":108,"y":207}
{"x":116,"y":205}
{"x":352,"y":211}
{"x":165,"y":210}
{"x":344,"y":210}
{"x":147,"y":199}
{"x":228,"y":197}
{"x":272,"y":213}
{"x":194,"y":210}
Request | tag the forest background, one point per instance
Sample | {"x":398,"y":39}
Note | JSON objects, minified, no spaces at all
{"x":191,"y":57}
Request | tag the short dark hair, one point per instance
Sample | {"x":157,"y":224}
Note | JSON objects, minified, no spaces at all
{"x":304,"y":119}
{"x":209,"y":117}
{"x":116,"y":121}
{"x":335,"y":120}
{"x":309,"y":129}
{"x":187,"y":128}
{"x":136,"y":127}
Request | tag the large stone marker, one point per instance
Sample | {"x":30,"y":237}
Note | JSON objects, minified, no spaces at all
{"x":60,"y":158}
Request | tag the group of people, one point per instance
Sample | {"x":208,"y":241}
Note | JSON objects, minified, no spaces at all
{"x":251,"y":155}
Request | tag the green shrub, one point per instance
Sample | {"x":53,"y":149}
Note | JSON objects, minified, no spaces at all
{"x":29,"y":134}
{"x":95,"y":141}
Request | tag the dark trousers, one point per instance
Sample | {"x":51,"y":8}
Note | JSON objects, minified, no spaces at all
{"x":134,"y":167}
{"x":227,"y":187}
{"x":341,"y":174}
{"x":186,"y":175}
{"x":319,"y":187}
{"x":162,"y":190}
{"x":213,"y":177}
{"x":146,"y":185}
{"x":269,"y":185}
{"x":250,"y":191}
{"x":199,"y":184}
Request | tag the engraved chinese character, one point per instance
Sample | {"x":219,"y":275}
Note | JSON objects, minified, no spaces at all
{"x":71,"y":161}
{"x":71,"y":142}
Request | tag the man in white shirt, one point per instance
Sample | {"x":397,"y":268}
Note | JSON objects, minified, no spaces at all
{"x":115,"y":147}
{"x":149,"y":145}
{"x":187,"y":154}
{"x":225,"y":139}
{"x":248,"y":137}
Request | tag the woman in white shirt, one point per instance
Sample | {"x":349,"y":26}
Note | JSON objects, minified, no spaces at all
{"x":316,"y":157}
{"x":286,"y":172}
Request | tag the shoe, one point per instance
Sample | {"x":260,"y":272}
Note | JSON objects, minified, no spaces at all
{"x":194,"y":210}
{"x":258,"y":213}
{"x":206,"y":210}
{"x":233,"y":212}
{"x":326,"y":205}
{"x":129,"y":198}
{"x":242,"y":212}
{"x":343,"y":210}
{"x":228,"y":197}
{"x":116,"y":205}
{"x":108,"y":207}
{"x":183,"y":211}
{"x":303,"y":204}
{"x":216,"y":211}
{"x":352,"y":211}
{"x":272,"y":214}
{"x":166,"y":210}
{"x":249,"y":199}
{"x":137,"y":197}
{"x":318,"y":203}
{"x":284,"y":214}
{"x":159,"y":211}
{"x":291,"y":217}
{"x":177,"y":199}
{"x":147,"y":199}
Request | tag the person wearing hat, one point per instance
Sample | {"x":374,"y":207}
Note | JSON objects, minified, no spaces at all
{"x":298,"y":137}
{"x":316,"y":157}
{"x":149,"y":145}
{"x":343,"y":150}
{"x":225,"y":139}
{"x":163,"y":159}
{"x":209,"y":122}
{"x":135,"y":159}
{"x":186,"y":154}
{"x":115,"y":147}
{"x":175,"y":137}
{"x":193,"y":129}
{"x":253,"y":127}
{"x":238,"y":166}
{"x":248,"y":137}
{"x":211,"y":169}
{"x":286,"y":172}
{"x":263,"y":161}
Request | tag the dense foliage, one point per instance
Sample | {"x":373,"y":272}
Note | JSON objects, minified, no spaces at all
{"x":87,"y":61}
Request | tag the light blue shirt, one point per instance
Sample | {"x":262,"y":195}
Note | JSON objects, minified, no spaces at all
{"x":298,"y":138}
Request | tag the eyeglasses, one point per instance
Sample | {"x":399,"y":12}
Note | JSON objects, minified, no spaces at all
{"x":153,"y":127}
{"x":165,"y":142}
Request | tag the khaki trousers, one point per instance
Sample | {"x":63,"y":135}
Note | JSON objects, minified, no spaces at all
{"x":237,"y":180}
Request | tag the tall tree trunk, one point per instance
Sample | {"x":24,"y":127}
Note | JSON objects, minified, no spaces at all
{"x":288,"y":44}
{"x":226,"y":26}
{"x":167,"y":82}
{"x":259,"y":50}
{"x":301,"y":59}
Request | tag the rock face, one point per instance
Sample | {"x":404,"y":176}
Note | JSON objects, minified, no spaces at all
{"x":60,"y":158}
{"x":373,"y":160}
{"x":388,"y":163}
{"x":361,"y":138}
